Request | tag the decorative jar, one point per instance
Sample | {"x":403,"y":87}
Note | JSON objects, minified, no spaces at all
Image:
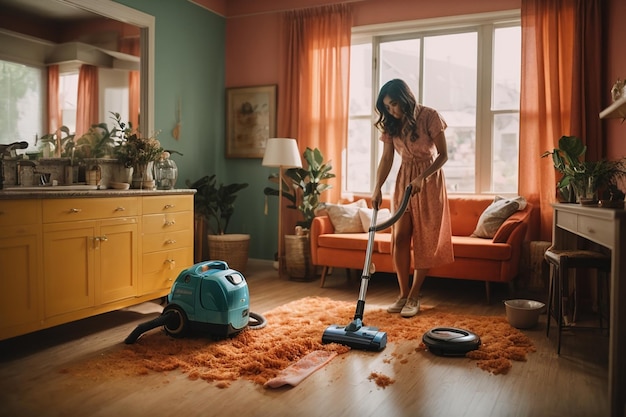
{"x":165,"y":174}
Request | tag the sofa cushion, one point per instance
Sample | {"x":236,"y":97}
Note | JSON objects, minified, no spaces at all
{"x":345,"y":217}
{"x":365,"y":214}
{"x":494,"y":215}
{"x":356,"y":241}
{"x":479,"y":248}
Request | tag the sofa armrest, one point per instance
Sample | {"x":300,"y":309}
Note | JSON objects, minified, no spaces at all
{"x":320,"y":225}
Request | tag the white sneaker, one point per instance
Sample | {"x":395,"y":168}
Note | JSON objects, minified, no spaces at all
{"x":397,"y":306}
{"x":411,"y":308}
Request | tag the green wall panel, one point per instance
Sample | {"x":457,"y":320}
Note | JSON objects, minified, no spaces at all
{"x":189,"y":67}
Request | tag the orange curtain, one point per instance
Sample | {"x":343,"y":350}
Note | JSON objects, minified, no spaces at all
{"x":131,"y":46}
{"x":556,"y":96}
{"x":55,"y":116}
{"x":87,"y":103}
{"x":313,"y":101}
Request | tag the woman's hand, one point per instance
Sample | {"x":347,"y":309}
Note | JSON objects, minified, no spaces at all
{"x":377,"y":198}
{"x":416,"y":185}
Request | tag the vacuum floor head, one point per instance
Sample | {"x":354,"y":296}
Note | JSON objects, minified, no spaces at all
{"x":450,"y":341}
{"x":366,"y":338}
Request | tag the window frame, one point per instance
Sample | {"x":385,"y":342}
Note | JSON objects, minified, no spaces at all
{"x":484,"y":24}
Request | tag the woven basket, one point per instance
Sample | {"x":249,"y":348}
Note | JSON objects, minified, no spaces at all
{"x":298,"y":257}
{"x":231,"y":248}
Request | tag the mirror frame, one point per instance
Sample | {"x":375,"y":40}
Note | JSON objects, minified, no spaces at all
{"x":146,"y":24}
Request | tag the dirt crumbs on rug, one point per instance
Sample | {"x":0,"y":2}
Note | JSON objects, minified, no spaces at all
{"x":294,"y":331}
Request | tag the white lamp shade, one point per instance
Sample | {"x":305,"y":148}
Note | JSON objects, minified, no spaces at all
{"x":282,"y":152}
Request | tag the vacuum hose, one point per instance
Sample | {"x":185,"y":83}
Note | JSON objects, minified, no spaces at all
{"x":257,"y":321}
{"x":396,"y":216}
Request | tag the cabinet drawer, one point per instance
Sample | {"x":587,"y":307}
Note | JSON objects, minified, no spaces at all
{"x":167,"y":240}
{"x":14,"y":212}
{"x":157,"y":223}
{"x":597,"y":230}
{"x":160,"y":269}
{"x":567,"y":221}
{"x":167,"y":204}
{"x":71,"y":209}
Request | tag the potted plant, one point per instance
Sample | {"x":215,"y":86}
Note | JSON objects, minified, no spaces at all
{"x":307,"y":185}
{"x":583,"y":181}
{"x":214,"y":204}
{"x":304,"y":191}
{"x":136,"y":152}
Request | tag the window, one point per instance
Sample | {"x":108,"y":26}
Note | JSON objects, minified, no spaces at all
{"x":468,"y":68}
{"x":21,"y":102}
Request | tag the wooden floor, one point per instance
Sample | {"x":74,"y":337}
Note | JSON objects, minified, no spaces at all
{"x":573,"y":384}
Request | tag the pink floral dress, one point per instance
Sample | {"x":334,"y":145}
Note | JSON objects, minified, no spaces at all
{"x":432,"y":235}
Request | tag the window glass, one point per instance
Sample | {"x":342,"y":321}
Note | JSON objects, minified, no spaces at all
{"x":21,"y":103}
{"x":470,"y":74}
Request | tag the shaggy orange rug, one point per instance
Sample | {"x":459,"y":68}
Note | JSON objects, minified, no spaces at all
{"x":293,"y":331}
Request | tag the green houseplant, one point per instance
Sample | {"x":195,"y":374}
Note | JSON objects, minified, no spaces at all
{"x":306,"y":185}
{"x":303,"y":188}
{"x":214,"y":205}
{"x":584,"y":181}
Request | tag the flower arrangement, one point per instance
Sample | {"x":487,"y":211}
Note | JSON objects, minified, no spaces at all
{"x":131,"y":149}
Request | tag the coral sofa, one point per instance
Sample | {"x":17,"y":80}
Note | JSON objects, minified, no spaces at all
{"x":494,"y":259}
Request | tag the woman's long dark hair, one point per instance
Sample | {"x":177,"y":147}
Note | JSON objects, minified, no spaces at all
{"x":398,"y":91}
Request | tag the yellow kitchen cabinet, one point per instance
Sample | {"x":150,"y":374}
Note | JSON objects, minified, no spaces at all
{"x":20,"y":274}
{"x":167,"y":240}
{"x":88,"y":263}
{"x":68,"y":258}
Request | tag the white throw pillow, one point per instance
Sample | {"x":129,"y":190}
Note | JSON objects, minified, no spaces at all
{"x":345,"y":218}
{"x":322,"y":208}
{"x":366,"y":214}
{"x":492,"y":218}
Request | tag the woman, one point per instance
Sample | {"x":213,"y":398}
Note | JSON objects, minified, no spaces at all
{"x":417,"y":134}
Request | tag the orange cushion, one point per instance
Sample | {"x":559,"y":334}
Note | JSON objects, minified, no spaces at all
{"x":480,"y":248}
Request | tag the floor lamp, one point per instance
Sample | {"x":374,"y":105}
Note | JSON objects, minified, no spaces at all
{"x":281,"y":153}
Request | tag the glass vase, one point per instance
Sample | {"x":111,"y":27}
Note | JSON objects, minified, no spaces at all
{"x":165,"y":174}
{"x":143,"y":177}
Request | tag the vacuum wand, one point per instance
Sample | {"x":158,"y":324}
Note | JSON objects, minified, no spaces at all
{"x":367,"y":267}
{"x":355,"y":334}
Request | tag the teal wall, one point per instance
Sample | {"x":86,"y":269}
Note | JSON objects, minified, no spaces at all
{"x":189,"y":65}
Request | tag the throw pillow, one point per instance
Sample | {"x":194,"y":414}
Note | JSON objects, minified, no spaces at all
{"x":345,"y":219}
{"x":322,"y":208}
{"x":365,"y":214}
{"x":492,"y":218}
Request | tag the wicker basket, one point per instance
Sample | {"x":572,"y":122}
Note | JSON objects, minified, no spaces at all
{"x":231,"y":248}
{"x":298,"y":257}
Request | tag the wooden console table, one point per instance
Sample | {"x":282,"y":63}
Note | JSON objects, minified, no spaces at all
{"x":606,"y":227}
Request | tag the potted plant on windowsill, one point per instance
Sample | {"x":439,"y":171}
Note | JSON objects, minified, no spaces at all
{"x":214,"y":205}
{"x":303,"y":191}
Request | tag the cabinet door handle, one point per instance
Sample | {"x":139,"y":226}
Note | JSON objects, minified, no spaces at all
{"x":75,"y":210}
{"x":170,"y":241}
{"x":171,"y":262}
{"x":104,"y":238}
{"x":169,"y":206}
{"x":170,"y":222}
{"x":120,"y":209}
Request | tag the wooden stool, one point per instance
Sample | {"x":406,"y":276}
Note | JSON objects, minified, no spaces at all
{"x":560,"y":261}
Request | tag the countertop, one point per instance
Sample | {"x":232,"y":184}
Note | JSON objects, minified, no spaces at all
{"x":60,"y":192}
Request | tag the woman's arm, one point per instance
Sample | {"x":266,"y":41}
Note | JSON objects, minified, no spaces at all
{"x":442,"y":158}
{"x":384,"y":167}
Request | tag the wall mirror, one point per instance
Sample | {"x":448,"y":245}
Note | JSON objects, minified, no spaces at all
{"x":37,"y":21}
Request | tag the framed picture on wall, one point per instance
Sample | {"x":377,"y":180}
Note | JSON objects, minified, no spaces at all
{"x":250,"y":120}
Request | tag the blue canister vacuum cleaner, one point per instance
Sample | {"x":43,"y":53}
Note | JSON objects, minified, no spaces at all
{"x":208,"y":298}
{"x":355,"y":334}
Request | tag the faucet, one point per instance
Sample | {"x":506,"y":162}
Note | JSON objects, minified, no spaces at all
{"x":6,"y":150}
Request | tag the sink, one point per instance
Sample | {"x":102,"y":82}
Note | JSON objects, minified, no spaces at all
{"x":57,"y":188}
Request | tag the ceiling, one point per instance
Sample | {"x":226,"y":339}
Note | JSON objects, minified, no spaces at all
{"x":48,"y":9}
